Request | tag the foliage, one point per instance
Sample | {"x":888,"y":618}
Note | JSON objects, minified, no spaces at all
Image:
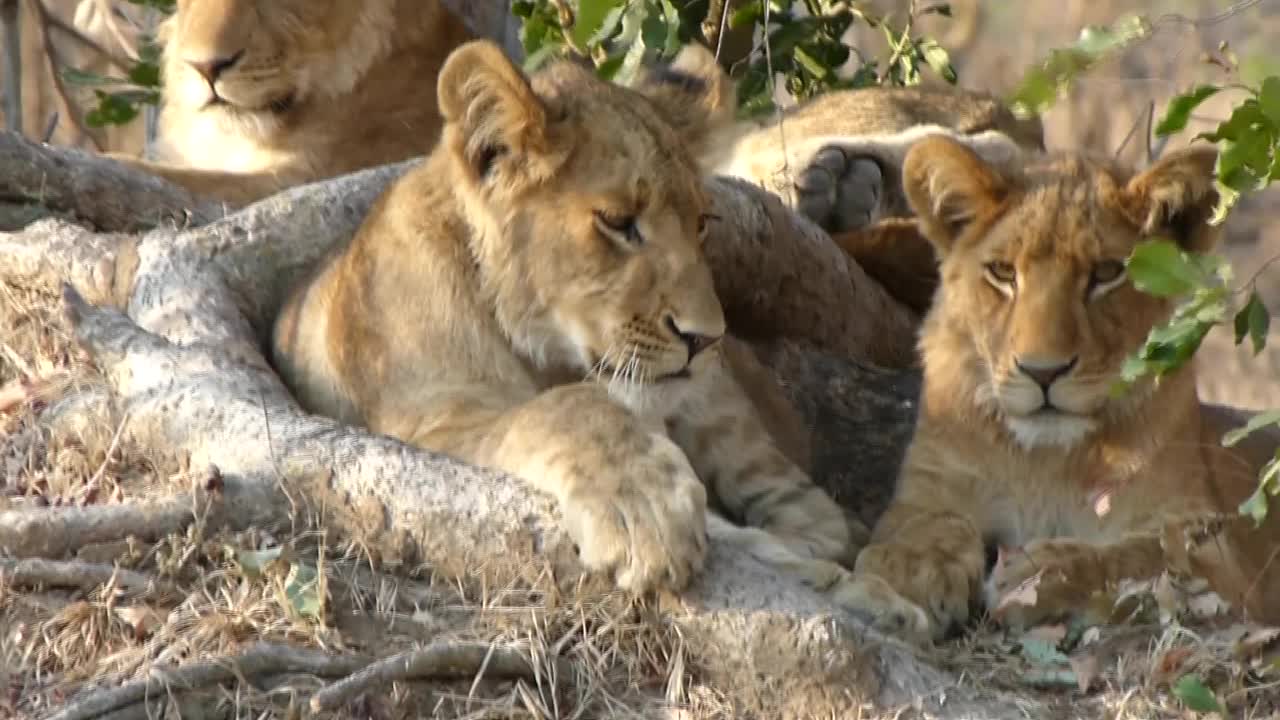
{"x":1248,"y":161}
{"x":804,"y":41}
{"x":121,"y":99}
{"x":1053,"y":76}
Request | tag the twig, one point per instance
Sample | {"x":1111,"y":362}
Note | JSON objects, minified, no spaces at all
{"x":438,"y":660}
{"x":72,"y":32}
{"x":713,"y":24}
{"x":46,"y":43}
{"x":73,"y":574}
{"x":260,"y":659}
{"x":10,"y":18}
{"x":53,"y":532}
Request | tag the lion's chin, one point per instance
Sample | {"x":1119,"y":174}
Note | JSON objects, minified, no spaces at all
{"x":1050,"y":428}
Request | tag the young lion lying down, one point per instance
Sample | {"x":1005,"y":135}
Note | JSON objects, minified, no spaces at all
{"x":1019,"y":441}
{"x":534,"y":298}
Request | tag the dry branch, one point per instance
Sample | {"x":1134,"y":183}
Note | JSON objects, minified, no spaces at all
{"x":93,"y":189}
{"x":442,"y":660}
{"x":260,"y":659}
{"x":72,"y":574}
{"x":183,"y":360}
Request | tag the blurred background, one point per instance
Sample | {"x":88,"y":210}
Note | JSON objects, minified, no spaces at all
{"x":991,"y":42}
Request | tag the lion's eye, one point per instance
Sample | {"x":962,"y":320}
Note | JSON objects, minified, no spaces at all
{"x":621,"y":228}
{"x":1001,"y":272}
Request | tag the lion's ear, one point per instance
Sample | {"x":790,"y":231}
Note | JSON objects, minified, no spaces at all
{"x":694,"y":93}
{"x":1175,"y":197}
{"x":490,"y":110}
{"x":949,"y":187}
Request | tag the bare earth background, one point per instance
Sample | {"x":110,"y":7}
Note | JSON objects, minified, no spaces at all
{"x":59,"y":447}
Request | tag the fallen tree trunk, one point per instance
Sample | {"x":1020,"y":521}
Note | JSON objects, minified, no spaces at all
{"x":182,"y":355}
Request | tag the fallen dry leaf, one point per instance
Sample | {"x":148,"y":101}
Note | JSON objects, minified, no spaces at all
{"x":141,"y":619}
{"x":14,"y":393}
{"x":1024,"y":594}
{"x":1171,"y":662}
{"x":1255,"y":641}
{"x":1086,"y":668}
{"x":1049,"y":633}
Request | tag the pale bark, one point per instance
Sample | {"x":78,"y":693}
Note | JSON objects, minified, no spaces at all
{"x":179,"y":335}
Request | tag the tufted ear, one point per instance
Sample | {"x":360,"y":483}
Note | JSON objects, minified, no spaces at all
{"x":491,"y":111}
{"x":950,"y":188}
{"x":694,"y":93}
{"x":1175,"y":197}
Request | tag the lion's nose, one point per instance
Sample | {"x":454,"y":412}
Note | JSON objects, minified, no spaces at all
{"x":1045,"y":372}
{"x":211,"y":70}
{"x":695,"y":342}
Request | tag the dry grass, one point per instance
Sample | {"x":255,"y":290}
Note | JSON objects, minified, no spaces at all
{"x":60,"y":446}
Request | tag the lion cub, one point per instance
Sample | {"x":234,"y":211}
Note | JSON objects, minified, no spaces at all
{"x":534,"y":298}
{"x":1018,"y":437}
{"x":262,"y":96}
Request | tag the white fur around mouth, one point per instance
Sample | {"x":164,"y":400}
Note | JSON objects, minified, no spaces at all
{"x":1050,"y":428}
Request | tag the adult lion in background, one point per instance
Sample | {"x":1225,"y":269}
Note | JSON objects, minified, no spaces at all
{"x":261,"y":95}
{"x":1019,"y":443}
{"x":534,"y":298}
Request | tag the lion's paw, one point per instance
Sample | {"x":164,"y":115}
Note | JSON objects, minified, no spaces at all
{"x":646,"y":528}
{"x":871,"y":600}
{"x":840,"y":191}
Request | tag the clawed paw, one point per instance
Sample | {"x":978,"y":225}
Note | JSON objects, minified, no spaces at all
{"x":840,"y":191}
{"x":872,"y":601}
{"x":647,"y":529}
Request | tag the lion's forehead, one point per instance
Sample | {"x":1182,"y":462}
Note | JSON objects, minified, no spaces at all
{"x":1069,"y":224}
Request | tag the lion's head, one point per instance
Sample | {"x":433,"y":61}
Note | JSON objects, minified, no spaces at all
{"x":588,"y":208}
{"x":1035,"y":313}
{"x":252,"y":60}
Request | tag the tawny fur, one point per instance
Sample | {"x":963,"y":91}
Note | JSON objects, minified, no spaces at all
{"x":1080,"y":494}
{"x":314,"y":89}
{"x":514,"y":302}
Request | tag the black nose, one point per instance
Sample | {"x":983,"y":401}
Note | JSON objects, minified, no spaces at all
{"x":1044,"y":373}
{"x":695,"y":342}
{"x":210,"y":70}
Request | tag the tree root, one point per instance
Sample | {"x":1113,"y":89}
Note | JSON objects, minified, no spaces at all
{"x":442,"y":660}
{"x":181,"y":352}
{"x":75,"y":574}
{"x":260,"y":659}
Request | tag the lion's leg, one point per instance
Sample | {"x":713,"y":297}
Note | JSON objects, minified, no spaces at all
{"x":751,"y":478}
{"x":629,"y":497}
{"x":237,"y":189}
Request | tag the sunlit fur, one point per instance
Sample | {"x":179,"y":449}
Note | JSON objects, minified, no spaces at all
{"x":1075,"y":483}
{"x":313,"y":89}
{"x":514,"y":301}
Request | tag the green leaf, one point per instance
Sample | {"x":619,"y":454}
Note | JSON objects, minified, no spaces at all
{"x":1179,"y":110}
{"x":608,"y":27}
{"x":1256,"y":423}
{"x":145,"y":74}
{"x":113,"y":109}
{"x":1161,"y":268}
{"x":591,"y":15}
{"x":253,"y":563}
{"x":1269,"y":100}
{"x":1256,"y":506}
{"x":938,"y":59}
{"x":74,"y":76}
{"x":1195,"y":695}
{"x":1253,"y":320}
{"x":302,"y":592}
{"x":1055,"y":74}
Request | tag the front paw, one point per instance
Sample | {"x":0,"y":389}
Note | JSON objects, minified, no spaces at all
{"x":646,"y":526}
{"x":940,"y":584}
{"x":1041,"y":582}
{"x":838,"y":190}
{"x":872,"y":600}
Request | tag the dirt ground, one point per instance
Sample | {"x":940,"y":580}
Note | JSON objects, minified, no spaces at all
{"x":210,"y":593}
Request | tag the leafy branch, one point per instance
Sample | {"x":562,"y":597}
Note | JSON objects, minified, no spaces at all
{"x":799,"y":40}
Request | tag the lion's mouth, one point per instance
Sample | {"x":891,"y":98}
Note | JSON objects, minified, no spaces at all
{"x":606,"y":372}
{"x":278,"y":106}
